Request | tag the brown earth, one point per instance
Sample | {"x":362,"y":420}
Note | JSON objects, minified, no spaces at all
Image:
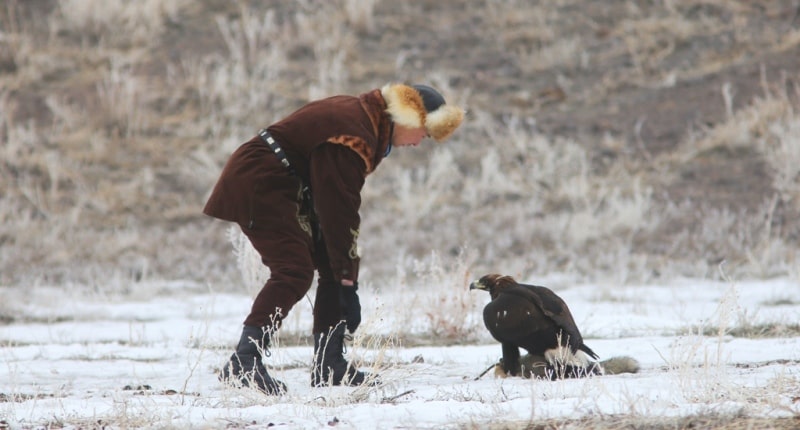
{"x":637,"y":80}
{"x":611,"y":96}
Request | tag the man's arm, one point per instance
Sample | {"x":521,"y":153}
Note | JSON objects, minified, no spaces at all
{"x":337,"y":176}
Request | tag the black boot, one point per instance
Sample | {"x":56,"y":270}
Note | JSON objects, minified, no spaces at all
{"x":245,"y":367}
{"x":330,"y":367}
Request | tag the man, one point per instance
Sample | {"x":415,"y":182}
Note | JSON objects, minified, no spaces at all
{"x":294,"y":190}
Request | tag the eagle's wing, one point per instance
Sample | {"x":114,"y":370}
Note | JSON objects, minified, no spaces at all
{"x":512,"y":319}
{"x":554,"y":308}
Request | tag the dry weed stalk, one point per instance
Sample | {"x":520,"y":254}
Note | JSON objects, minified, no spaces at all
{"x":702,"y":373}
{"x":253,"y":271}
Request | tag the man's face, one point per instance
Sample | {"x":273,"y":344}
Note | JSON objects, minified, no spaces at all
{"x":404,"y":136}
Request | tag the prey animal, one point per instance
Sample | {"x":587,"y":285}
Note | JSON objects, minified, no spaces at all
{"x":536,"y":319}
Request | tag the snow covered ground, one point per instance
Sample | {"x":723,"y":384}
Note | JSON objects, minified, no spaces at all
{"x":148,"y":360}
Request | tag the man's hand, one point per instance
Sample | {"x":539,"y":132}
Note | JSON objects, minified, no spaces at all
{"x":351,"y":306}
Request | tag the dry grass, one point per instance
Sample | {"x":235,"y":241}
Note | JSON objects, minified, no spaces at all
{"x":711,"y":422}
{"x":623,"y":140}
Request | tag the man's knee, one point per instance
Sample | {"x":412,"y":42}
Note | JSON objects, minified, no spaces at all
{"x":295,"y":279}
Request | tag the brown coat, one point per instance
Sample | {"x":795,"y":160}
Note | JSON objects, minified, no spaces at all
{"x":332,"y":144}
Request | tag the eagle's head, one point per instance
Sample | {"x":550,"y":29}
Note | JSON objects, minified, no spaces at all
{"x":493,"y":283}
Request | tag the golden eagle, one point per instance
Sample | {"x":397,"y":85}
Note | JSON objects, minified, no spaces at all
{"x":536,"y":319}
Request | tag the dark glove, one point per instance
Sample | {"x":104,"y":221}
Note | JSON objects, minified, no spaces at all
{"x":351,"y":307}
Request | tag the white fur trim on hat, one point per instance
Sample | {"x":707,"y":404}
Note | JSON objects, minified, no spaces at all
{"x":406,"y":108}
{"x":442,"y":122}
{"x":404,"y":104}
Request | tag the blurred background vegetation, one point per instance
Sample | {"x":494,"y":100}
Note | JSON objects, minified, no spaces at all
{"x":622,"y":140}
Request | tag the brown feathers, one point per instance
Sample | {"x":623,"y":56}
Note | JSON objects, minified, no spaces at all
{"x":533,"y":318}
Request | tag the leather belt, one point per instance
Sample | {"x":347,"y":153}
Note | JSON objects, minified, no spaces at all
{"x":276,"y":148}
{"x":307,"y":205}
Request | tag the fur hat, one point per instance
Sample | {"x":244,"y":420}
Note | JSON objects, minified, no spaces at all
{"x":420,"y":105}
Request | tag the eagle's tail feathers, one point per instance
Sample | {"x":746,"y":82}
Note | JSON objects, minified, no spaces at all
{"x":589,"y":351}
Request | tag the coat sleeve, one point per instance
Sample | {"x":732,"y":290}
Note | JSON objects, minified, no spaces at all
{"x":337,"y":176}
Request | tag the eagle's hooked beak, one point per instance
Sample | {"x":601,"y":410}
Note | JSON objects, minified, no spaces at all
{"x":477,"y":285}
